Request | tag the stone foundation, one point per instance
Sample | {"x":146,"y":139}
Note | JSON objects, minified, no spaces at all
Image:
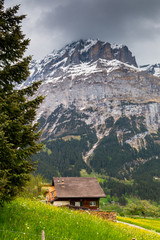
{"x":111,"y":216}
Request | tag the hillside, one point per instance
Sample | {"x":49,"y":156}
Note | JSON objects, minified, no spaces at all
{"x":101,"y":113}
{"x":25,"y":219}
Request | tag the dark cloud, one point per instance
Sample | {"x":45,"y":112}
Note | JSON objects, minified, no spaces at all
{"x":53,"y":23}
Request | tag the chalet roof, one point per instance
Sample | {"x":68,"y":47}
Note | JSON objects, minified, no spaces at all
{"x":77,"y":187}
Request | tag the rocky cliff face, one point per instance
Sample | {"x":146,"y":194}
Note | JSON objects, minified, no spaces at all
{"x":97,"y":86}
{"x":86,"y":51}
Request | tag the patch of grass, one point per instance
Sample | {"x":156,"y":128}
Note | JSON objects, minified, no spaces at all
{"x":83,"y":173}
{"x":45,"y":149}
{"x":70,"y":137}
{"x":25,"y":219}
{"x":148,"y":223}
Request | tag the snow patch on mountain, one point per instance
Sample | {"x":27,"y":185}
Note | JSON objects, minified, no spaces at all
{"x":117,"y":46}
{"x":153,"y":69}
{"x":88,"y":45}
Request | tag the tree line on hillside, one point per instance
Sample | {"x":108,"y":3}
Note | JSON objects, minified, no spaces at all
{"x":62,"y":158}
{"x":143,"y":186}
{"x":117,"y":159}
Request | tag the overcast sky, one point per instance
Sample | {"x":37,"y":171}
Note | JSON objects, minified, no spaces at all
{"x":51,"y":24}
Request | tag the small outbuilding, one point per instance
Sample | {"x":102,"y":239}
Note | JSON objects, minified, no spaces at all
{"x":78,"y":192}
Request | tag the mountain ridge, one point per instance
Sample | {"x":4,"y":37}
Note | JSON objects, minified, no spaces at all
{"x":78,"y":52}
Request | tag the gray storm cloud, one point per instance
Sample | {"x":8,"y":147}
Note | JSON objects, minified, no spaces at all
{"x":50,"y":24}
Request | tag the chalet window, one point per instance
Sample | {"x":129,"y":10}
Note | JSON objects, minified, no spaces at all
{"x":77,"y":204}
{"x":93,"y":203}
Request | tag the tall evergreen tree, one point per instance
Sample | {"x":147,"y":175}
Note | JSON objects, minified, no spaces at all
{"x":18,"y":132}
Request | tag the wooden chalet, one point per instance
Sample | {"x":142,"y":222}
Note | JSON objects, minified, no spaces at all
{"x":76,"y":192}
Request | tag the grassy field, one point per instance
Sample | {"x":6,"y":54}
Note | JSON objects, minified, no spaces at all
{"x":151,"y":224}
{"x":25,"y":219}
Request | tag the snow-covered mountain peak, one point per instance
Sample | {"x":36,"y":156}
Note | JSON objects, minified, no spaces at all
{"x":80,"y":45}
{"x":84,"y":58}
{"x":153,"y":69}
{"x":75,"y":53}
{"x":89,"y":50}
{"x":84,"y":45}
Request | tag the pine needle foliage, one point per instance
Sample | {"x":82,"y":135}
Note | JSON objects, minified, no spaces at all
{"x":18,"y":133}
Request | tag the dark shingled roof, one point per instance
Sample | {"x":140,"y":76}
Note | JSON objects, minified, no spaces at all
{"x":77,"y":187}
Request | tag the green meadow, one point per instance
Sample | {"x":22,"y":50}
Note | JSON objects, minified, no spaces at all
{"x":148,"y":223}
{"x":25,"y":219}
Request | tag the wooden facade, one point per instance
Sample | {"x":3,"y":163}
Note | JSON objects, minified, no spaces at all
{"x":50,"y":193}
{"x":83,"y":203}
{"x":80,"y":193}
{"x":86,"y":203}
